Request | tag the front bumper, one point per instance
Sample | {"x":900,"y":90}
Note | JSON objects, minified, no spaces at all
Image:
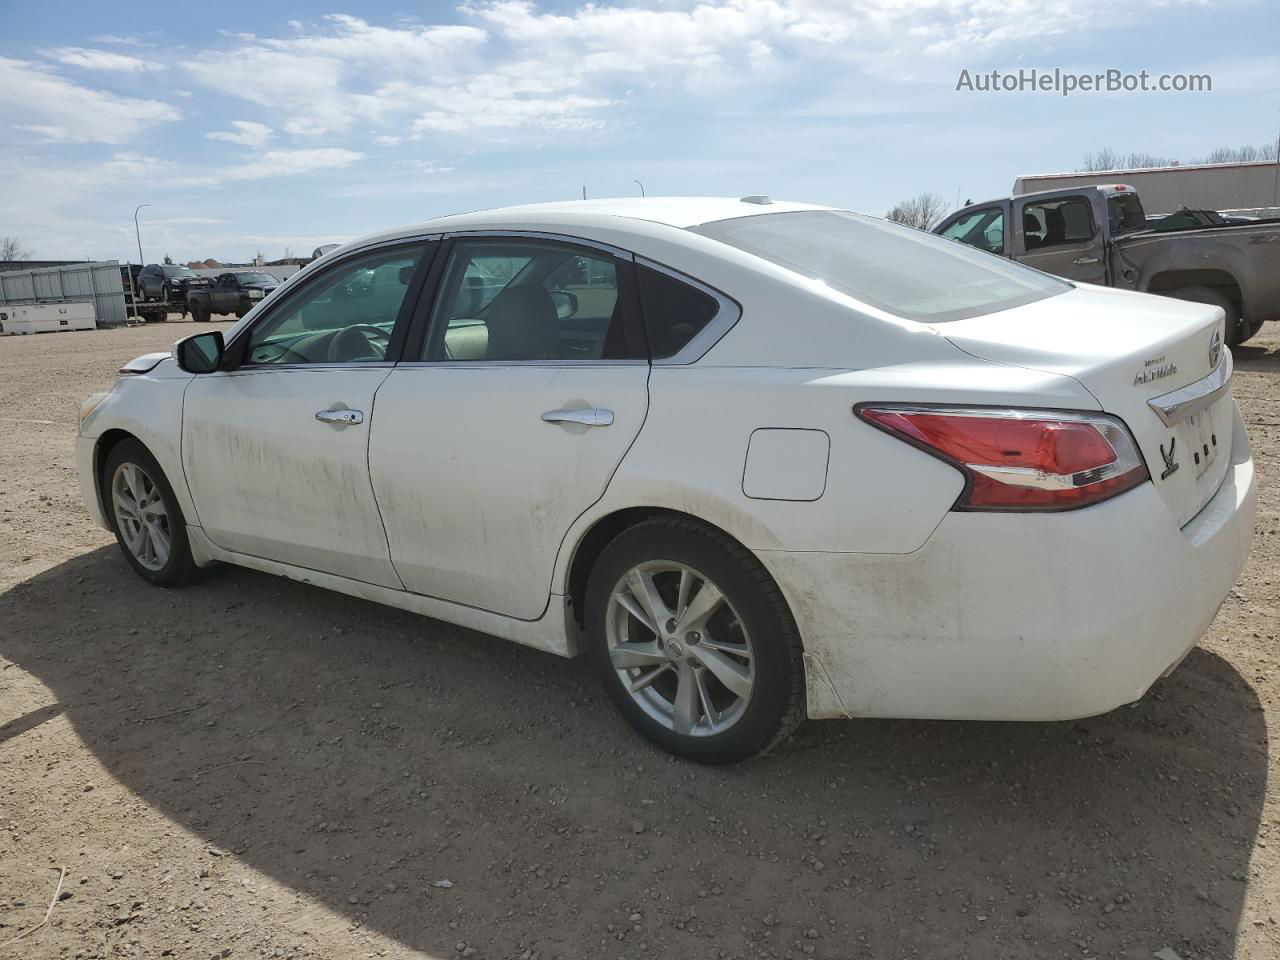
{"x":85,"y":447}
{"x":1020,"y":616}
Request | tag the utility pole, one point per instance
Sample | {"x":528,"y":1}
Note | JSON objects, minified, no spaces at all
{"x":584,"y":191}
{"x":641,"y":185}
{"x":137,"y":232}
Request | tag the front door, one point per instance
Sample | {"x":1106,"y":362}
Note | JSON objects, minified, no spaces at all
{"x":275,"y":451}
{"x":508,"y":420}
{"x":1061,"y":236}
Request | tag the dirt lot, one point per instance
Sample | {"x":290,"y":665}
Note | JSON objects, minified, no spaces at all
{"x":256,"y":768}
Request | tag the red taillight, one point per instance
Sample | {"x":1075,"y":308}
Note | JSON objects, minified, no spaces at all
{"x":1021,"y":459}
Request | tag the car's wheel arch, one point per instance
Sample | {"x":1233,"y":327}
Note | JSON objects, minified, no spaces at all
{"x":603,"y":530}
{"x":106,"y":442}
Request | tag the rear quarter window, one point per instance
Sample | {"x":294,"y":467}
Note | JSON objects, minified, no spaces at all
{"x":674,"y":311}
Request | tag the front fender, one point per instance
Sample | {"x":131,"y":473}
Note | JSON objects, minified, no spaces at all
{"x":148,"y":407}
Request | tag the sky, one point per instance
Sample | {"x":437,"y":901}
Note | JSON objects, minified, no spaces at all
{"x":271,"y":127}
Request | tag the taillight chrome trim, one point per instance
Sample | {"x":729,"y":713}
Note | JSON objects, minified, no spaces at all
{"x":1177,"y":405}
{"x":1129,"y":458}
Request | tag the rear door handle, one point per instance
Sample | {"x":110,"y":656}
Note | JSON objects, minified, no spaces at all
{"x":343,"y":417}
{"x":590,"y":416}
{"x":1081,"y":261}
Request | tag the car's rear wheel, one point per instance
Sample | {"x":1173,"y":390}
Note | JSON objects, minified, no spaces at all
{"x":694,"y":642}
{"x":1234,"y":334}
{"x":145,"y":516}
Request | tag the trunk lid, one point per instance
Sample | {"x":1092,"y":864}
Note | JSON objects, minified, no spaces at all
{"x":1125,"y":348}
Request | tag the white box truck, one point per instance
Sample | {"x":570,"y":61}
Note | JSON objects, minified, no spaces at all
{"x":46,"y":317}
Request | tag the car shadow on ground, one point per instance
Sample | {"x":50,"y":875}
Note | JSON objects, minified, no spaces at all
{"x":360,"y":755}
{"x":1256,"y":358}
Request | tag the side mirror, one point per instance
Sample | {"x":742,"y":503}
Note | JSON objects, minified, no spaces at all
{"x":201,"y":353}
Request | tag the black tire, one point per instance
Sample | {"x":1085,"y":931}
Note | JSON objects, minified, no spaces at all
{"x":198,"y":313}
{"x":1234,"y":328}
{"x":776,"y":705}
{"x":165,"y":292}
{"x":180,"y":566}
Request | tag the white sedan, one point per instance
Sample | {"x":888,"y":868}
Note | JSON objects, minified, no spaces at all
{"x":758,"y":460}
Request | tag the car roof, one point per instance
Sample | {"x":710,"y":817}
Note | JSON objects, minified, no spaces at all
{"x":679,"y":212}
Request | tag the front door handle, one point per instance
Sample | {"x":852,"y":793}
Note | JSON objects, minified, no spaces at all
{"x":589,"y":416}
{"x":1081,"y":261}
{"x":343,"y":417}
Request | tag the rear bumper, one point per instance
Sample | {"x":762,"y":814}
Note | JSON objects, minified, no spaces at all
{"x":1020,"y":617}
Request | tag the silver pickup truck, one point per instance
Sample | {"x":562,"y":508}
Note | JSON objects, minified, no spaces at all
{"x":1100,"y":234}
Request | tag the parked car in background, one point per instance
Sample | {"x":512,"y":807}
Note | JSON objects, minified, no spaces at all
{"x":759,"y":461}
{"x":165,"y":281}
{"x":1100,"y":234}
{"x":237,"y":291}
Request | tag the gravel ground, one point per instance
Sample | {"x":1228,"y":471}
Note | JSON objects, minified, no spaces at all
{"x":256,"y":768}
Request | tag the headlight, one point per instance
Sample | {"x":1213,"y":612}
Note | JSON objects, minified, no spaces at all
{"x":88,"y":407}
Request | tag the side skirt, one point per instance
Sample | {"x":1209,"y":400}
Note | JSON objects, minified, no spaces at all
{"x":555,"y":632}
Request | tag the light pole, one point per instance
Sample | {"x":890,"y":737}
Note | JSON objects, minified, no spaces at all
{"x":640,"y":185}
{"x":137,"y":232}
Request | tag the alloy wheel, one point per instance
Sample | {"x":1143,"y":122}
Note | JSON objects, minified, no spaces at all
{"x":679,"y":648}
{"x":141,"y":516}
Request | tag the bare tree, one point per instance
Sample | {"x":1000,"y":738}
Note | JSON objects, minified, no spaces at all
{"x":1108,"y":159}
{"x":924,"y":211}
{"x":12,"y":248}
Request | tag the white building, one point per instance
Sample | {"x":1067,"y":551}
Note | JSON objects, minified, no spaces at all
{"x":1204,"y":186}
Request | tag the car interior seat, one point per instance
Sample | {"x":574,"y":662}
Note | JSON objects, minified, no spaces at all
{"x":1031,"y":230}
{"x":523,"y":325}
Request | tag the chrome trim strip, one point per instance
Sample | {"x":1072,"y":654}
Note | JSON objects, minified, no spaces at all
{"x":483,"y":364}
{"x":1177,"y":405}
{"x":727,"y":316}
{"x":541,"y":235}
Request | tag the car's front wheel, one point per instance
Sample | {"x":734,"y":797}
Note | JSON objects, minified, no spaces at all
{"x":694,"y":642}
{"x":145,"y":516}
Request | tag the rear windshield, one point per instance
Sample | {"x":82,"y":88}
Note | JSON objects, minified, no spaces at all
{"x":898,"y":269}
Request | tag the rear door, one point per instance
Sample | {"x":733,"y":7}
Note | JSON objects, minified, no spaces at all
{"x":1062,"y":236}
{"x":521,"y":390}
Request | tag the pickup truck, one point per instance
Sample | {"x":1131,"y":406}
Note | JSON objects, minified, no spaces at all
{"x":236,"y":291}
{"x":1101,"y":234}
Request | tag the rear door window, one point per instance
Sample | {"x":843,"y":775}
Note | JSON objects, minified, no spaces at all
{"x":1057,"y":223}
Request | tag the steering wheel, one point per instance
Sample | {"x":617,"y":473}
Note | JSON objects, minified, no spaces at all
{"x":358,"y":342}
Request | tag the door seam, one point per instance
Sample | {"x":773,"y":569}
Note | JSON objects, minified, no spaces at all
{"x":373,"y":489}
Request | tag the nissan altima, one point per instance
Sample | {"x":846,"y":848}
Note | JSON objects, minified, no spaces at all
{"x":759,"y":461}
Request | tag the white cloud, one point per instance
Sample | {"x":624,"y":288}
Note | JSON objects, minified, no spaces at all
{"x":278,"y":163}
{"x":247,"y":133}
{"x":517,"y":66}
{"x":60,"y":110}
{"x":105,"y":60}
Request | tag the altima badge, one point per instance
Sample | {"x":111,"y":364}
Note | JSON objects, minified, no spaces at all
{"x":1215,"y":349}
{"x":1170,"y":465}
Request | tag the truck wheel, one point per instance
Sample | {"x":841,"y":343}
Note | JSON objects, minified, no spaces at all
{"x":1234,"y":334}
{"x":198,"y":314}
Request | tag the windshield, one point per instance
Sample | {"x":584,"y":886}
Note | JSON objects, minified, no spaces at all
{"x":255,"y":278}
{"x":903,"y":271}
{"x":178,"y":271}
